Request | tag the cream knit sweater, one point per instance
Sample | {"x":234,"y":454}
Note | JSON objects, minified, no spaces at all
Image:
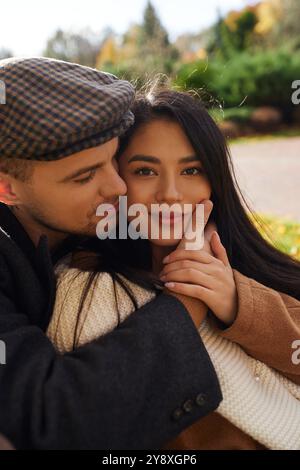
{"x":256,"y":398}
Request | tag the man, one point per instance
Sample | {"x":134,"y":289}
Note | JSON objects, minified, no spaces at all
{"x":148,"y":380}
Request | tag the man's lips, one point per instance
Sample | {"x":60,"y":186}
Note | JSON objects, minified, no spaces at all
{"x":114,"y":206}
{"x":110,"y":211}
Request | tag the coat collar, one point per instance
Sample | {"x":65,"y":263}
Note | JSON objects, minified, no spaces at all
{"x":15,"y":230}
{"x":38,"y":257}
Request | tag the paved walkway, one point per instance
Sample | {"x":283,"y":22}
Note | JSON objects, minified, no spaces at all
{"x":268,"y":172}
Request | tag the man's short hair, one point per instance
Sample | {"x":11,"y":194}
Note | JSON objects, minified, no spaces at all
{"x":19,"y":169}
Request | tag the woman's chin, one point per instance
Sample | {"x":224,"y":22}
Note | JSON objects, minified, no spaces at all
{"x":164,"y":243}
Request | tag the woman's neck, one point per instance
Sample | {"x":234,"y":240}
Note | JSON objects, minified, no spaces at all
{"x":158,"y":254}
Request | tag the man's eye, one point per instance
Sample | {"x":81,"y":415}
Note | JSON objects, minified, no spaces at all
{"x":193,"y":171}
{"x":87,"y":179}
{"x":144,"y":172}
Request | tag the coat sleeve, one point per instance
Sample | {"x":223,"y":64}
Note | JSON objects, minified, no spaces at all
{"x":267,"y":326}
{"x":122,"y":391}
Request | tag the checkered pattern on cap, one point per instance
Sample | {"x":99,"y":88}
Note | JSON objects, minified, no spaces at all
{"x":55,"y":108}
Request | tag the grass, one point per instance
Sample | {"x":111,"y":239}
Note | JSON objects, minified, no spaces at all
{"x":284,"y":234}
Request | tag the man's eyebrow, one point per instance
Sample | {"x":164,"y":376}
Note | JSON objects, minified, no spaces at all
{"x":81,"y":171}
{"x":150,"y":159}
{"x":86,"y":169}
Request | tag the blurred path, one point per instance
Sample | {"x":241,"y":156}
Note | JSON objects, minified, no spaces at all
{"x":268,"y":173}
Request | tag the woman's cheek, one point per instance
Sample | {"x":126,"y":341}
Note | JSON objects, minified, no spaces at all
{"x":138,"y":193}
{"x":208,"y":186}
{"x":205,"y":190}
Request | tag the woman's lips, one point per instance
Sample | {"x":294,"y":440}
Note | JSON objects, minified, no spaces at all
{"x":170,"y":218}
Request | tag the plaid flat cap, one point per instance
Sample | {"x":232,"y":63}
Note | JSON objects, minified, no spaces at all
{"x":53,"y":108}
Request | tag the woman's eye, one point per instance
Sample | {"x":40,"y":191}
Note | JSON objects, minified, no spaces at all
{"x":87,"y":179}
{"x":193,"y":171}
{"x":144,"y":172}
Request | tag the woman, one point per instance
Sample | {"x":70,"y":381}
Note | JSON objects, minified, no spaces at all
{"x":175,"y":154}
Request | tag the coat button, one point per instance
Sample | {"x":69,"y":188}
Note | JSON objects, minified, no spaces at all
{"x":177,"y":414}
{"x":201,"y":399}
{"x":188,"y":406}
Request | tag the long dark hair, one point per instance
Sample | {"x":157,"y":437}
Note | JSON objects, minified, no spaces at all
{"x":247,"y":250}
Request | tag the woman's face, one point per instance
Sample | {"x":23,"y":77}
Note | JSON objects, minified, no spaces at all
{"x":160,"y":166}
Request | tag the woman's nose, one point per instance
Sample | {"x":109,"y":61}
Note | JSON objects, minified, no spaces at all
{"x":168,"y":192}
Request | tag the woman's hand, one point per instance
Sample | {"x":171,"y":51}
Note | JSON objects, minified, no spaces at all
{"x":195,"y":307}
{"x":198,"y":274}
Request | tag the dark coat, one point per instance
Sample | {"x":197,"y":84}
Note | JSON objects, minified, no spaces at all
{"x":123,"y":391}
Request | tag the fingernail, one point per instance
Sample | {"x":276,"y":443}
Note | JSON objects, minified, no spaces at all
{"x":166,"y":259}
{"x":163,"y":278}
{"x":169,"y":284}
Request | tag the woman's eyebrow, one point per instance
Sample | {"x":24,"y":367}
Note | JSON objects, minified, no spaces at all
{"x":150,"y":159}
{"x":144,"y":158}
{"x":191,"y":158}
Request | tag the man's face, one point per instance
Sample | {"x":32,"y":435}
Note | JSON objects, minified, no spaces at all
{"x":62,"y":196}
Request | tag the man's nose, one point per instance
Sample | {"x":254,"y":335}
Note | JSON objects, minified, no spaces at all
{"x":113,"y":185}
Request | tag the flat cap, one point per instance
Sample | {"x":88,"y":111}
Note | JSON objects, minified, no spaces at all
{"x":54,"y":108}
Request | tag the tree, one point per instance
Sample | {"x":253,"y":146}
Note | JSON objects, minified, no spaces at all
{"x":288,"y":29}
{"x":81,"y":48}
{"x":153,"y":45}
{"x":5,"y":53}
{"x":145,"y":50}
{"x":109,"y":54}
{"x":152,"y":30}
{"x":245,"y":25}
{"x":233,"y":33}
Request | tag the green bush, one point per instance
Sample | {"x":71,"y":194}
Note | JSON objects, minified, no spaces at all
{"x":261,"y":79}
{"x":240,"y":115}
{"x":198,"y":76}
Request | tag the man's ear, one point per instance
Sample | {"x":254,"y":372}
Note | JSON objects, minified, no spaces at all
{"x":7,"y":194}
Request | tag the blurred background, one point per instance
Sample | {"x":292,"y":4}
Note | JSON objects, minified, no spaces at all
{"x":240,"y":56}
